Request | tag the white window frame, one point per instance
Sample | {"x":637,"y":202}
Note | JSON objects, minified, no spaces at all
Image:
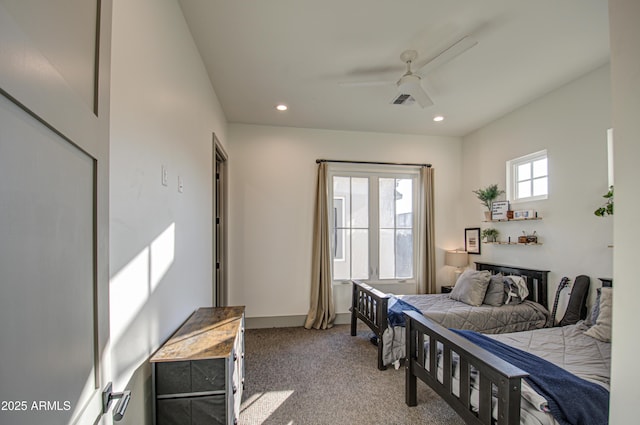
{"x":512,"y":176}
{"x":376,"y":171}
{"x":334,"y":221}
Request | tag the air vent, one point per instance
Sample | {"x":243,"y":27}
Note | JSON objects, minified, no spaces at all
{"x":403,"y":99}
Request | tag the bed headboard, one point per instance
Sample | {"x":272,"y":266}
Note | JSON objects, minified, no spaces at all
{"x":536,"y":279}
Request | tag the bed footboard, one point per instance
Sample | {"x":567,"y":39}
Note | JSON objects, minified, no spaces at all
{"x":370,"y":305}
{"x":497,"y":378}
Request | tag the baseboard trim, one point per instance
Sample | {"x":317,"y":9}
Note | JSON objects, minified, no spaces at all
{"x":288,"y":321}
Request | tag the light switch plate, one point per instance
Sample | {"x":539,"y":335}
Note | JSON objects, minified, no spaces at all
{"x":165,"y":176}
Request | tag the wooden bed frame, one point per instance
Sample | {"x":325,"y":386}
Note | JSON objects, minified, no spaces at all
{"x":370,"y":305}
{"x":493,"y":371}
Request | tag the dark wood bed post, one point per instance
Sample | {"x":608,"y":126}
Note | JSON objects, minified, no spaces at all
{"x":354,"y":310}
{"x":411,"y":381}
{"x":370,"y":305}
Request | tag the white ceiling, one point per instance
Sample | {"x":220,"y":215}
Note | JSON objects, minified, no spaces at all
{"x":262,"y":52}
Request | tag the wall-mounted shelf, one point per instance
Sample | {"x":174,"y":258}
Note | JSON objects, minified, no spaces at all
{"x":512,"y":219}
{"x":512,"y":243}
{"x":515,"y":242}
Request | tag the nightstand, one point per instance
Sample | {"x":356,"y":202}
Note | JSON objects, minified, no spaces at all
{"x":446,"y":289}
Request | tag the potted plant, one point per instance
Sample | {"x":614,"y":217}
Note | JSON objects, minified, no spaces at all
{"x":487,"y":196}
{"x":607,"y":208}
{"x":490,"y":234}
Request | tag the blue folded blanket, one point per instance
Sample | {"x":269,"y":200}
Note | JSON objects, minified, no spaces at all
{"x":571,"y":399}
{"x":395,"y":307}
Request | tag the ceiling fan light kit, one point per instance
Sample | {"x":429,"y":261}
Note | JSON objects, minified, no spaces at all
{"x":409,"y":84}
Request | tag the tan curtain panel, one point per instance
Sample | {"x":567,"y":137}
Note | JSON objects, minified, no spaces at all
{"x":427,"y":263}
{"x":321,"y":311}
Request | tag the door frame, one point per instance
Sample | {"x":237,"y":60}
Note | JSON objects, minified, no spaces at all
{"x":220,"y":224}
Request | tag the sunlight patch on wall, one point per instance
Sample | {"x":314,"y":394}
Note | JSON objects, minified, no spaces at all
{"x":128,"y":293}
{"x":132,"y":286}
{"x":163,"y":250}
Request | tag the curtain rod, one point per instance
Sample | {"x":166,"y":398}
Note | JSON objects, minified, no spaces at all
{"x":372,"y":162}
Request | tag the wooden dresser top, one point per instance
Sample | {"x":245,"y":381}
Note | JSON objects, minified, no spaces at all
{"x":208,"y":334}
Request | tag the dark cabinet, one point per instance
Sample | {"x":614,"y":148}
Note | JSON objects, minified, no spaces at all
{"x":198,"y":374}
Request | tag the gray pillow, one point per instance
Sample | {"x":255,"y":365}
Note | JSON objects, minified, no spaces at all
{"x":495,"y":295}
{"x":471,"y":287}
{"x":602,"y":329}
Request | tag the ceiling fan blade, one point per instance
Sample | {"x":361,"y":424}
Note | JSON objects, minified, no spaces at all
{"x":451,"y":52}
{"x":364,"y":83}
{"x":422,"y":97}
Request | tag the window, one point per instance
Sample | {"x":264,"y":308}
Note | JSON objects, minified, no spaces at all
{"x":527,"y":177}
{"x":373,"y":223}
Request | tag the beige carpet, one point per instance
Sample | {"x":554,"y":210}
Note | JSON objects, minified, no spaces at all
{"x":308,"y":377}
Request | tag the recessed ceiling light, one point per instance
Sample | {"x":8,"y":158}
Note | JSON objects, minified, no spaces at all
{"x":282,"y":107}
{"x":438,"y":118}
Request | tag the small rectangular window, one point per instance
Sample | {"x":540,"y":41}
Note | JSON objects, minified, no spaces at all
{"x":527,"y":177}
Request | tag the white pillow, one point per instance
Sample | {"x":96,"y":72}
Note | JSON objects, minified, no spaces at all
{"x":471,"y":287}
{"x":602,"y":329}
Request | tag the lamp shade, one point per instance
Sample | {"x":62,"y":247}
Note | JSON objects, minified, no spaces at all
{"x":456,"y":258}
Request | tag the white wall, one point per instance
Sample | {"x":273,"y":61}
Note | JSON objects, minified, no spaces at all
{"x":163,"y":112}
{"x":624,"y":16}
{"x":571,"y":123}
{"x":272,"y":190}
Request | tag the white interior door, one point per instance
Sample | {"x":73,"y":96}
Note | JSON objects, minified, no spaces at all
{"x":47,"y":263}
{"x":54,"y":315}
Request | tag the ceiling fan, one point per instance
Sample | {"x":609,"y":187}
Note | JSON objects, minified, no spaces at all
{"x":409,"y":86}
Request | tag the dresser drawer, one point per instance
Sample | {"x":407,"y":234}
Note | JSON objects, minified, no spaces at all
{"x":173,"y":412}
{"x":209,"y":410}
{"x":208,"y":375}
{"x":190,"y":376}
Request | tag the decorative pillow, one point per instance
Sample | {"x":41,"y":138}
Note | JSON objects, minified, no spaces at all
{"x":471,"y":287}
{"x":515,"y":288}
{"x":602,"y":329}
{"x":595,"y":310}
{"x":495,"y":295}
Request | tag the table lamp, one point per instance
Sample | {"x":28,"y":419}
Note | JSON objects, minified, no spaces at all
{"x":457,"y":259}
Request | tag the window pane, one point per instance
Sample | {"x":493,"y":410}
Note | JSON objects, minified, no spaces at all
{"x":524,"y":171}
{"x":404,"y":203}
{"x":523,"y":174}
{"x":540,"y":168}
{"x":387,"y":255}
{"x":404,"y":254}
{"x":524,"y":189}
{"x":342,"y":263}
{"x":337,"y":243}
{"x":360,"y":254}
{"x":387,"y":200}
{"x":342,"y":190}
{"x":540,"y":186}
{"x":359,"y":202}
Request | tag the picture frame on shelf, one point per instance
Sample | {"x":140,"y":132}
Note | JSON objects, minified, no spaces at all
{"x":525,"y":215}
{"x":472,"y":240}
{"x":499,"y":210}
